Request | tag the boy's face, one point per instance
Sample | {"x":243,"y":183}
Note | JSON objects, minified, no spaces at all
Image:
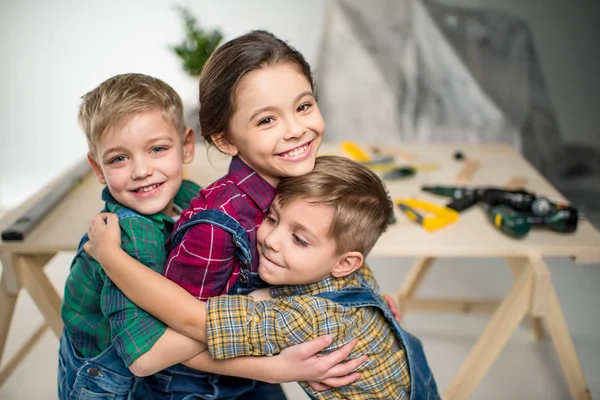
{"x":276,"y":127}
{"x":142,"y":160}
{"x":294,"y":247}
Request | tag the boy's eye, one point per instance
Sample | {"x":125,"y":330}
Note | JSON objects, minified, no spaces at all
{"x":304,"y":107}
{"x":271,"y":220}
{"x":298,"y":240}
{"x":117,"y":159}
{"x":265,"y":121}
{"x":158,"y":149}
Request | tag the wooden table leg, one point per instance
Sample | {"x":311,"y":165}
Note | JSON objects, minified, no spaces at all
{"x":516,"y":265}
{"x":40,"y":288}
{"x":559,"y":333}
{"x":507,"y":317}
{"x":8,"y":300}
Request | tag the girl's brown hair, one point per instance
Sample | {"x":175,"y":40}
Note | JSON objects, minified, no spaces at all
{"x":228,"y":64}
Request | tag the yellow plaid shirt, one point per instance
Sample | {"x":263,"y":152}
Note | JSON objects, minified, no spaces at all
{"x":239,"y":326}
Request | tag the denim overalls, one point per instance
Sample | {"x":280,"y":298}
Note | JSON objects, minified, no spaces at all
{"x":104,"y":376}
{"x":180,"y":382}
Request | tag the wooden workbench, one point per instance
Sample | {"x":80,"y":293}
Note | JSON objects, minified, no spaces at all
{"x":532,"y":294}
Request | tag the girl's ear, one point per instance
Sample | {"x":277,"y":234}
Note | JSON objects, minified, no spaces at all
{"x":347,"y":264}
{"x":223,"y":144}
{"x":189,"y":146}
{"x":96,"y":168}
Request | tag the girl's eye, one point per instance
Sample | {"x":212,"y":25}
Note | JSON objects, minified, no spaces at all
{"x":298,"y":240}
{"x":304,"y":107}
{"x":266,"y":121}
{"x":117,"y":159}
{"x":158,"y":149}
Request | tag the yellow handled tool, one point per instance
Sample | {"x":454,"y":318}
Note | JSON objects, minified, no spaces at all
{"x":430,"y":216}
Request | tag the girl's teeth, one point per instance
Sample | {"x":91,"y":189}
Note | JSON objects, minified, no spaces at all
{"x":296,"y":151}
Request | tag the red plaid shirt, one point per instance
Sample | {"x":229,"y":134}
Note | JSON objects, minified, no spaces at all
{"x":204,"y":263}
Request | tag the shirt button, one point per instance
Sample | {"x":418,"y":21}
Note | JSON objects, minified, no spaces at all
{"x":243,"y":278}
{"x":93,"y":371}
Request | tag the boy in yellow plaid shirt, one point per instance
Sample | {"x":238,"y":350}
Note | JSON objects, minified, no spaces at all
{"x":312,"y":247}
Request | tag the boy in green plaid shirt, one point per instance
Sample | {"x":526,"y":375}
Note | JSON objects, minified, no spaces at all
{"x":311,"y":247}
{"x":138,"y":145}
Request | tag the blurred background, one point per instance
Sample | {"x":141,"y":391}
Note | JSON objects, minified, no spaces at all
{"x":523,"y":72}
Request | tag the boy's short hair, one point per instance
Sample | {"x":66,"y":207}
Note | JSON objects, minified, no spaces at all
{"x":123,"y":96}
{"x":363,"y":208}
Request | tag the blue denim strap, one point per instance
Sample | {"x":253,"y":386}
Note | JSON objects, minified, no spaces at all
{"x":121,"y":213}
{"x":223,"y":221}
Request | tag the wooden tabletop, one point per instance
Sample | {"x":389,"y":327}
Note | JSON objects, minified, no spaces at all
{"x":471,"y":236}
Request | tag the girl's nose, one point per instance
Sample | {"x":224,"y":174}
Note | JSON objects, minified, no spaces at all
{"x":295,"y":130}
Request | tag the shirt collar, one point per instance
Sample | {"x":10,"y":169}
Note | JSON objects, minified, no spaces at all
{"x":329,"y":284}
{"x":112,"y":204}
{"x":251,"y":183}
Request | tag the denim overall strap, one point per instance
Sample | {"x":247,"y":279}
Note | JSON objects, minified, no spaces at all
{"x":121,"y":213}
{"x":422,"y":384}
{"x":223,"y":221}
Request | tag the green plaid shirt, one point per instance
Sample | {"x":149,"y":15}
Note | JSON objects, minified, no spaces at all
{"x":95,"y":312}
{"x":239,"y":326}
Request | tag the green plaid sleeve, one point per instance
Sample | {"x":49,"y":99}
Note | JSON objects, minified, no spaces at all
{"x":239,"y":326}
{"x":134,"y":331}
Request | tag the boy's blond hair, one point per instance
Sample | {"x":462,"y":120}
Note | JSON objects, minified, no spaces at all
{"x":363,"y":208}
{"x":123,"y":96}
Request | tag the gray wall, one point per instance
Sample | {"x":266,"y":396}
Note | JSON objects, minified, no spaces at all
{"x":565,"y":33}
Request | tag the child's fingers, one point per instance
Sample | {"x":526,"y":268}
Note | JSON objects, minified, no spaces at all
{"x":343,"y":369}
{"x":341,"y":381}
{"x":112,"y":221}
{"x":339,"y":355}
{"x":310,"y":349}
{"x":318,"y":386}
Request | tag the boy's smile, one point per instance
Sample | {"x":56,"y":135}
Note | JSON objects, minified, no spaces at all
{"x":276,"y":127}
{"x":142,"y":160}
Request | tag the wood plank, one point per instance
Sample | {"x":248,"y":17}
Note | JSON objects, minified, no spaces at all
{"x":8,"y":302}
{"x":414,"y":278}
{"x":22,"y":353}
{"x":454,"y":305}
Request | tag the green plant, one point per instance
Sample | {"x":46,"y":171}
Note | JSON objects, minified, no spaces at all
{"x":197,"y":45}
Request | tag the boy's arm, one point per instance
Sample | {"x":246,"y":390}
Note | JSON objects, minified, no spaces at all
{"x":240,"y":326}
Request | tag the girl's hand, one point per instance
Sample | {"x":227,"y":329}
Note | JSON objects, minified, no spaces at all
{"x":104,"y":235}
{"x":301,"y":363}
{"x":391,"y":303}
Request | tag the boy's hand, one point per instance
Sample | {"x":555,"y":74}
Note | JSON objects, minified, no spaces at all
{"x":321,"y":372}
{"x":391,"y":303}
{"x":104,"y":235}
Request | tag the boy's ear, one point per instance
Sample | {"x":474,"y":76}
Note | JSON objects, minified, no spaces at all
{"x":189,"y":146}
{"x":96,"y":168}
{"x":223,"y":144}
{"x":347,"y":264}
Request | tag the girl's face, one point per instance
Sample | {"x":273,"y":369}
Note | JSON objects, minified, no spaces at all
{"x":276,"y":127}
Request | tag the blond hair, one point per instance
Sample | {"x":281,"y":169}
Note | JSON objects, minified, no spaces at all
{"x":363,"y":208}
{"x":123,"y":96}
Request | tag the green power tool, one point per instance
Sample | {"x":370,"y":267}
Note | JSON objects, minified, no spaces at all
{"x":518,"y":224}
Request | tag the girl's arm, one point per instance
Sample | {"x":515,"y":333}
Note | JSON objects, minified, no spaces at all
{"x":151,"y":291}
{"x":296,"y":363}
{"x":173,"y":305}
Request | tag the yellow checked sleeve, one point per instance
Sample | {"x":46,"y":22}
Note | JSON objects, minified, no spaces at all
{"x":239,"y":326}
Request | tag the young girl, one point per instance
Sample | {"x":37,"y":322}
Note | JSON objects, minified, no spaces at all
{"x":258,"y":106}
